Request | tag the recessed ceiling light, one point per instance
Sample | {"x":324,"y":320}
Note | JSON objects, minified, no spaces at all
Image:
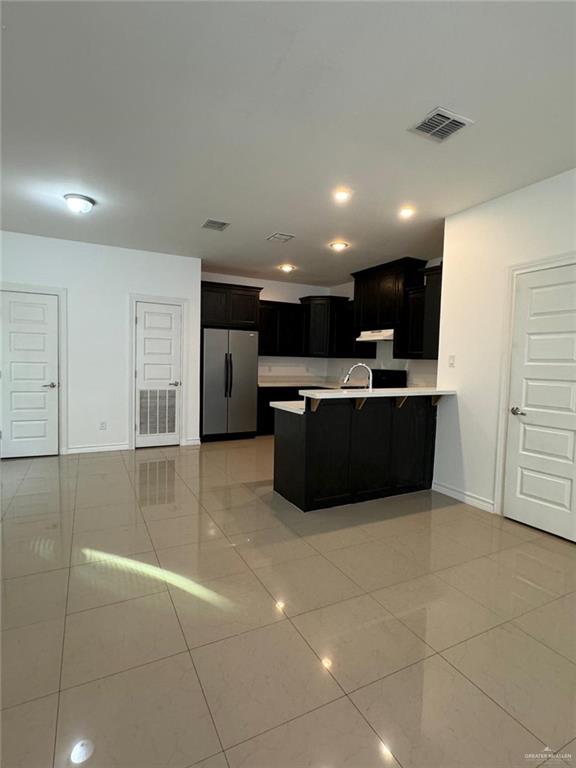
{"x":79,"y":203}
{"x":406,"y":212}
{"x":342,"y":195}
{"x":287,"y":267}
{"x":339,"y":245}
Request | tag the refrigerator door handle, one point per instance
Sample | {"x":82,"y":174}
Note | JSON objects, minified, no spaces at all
{"x":231,"y":368}
{"x":226,"y":375}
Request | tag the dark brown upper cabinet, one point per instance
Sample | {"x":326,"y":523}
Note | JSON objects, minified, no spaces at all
{"x":329,"y":328}
{"x":380,"y":292}
{"x":230,"y":306}
{"x":418,"y":332}
{"x":432,"y":301}
{"x":281,"y":329}
{"x":409,"y":335}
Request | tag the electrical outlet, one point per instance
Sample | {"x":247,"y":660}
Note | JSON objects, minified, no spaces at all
{"x":451,"y":361}
{"x":103,"y":426}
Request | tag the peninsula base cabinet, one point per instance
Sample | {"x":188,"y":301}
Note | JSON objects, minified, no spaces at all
{"x":341,"y":454}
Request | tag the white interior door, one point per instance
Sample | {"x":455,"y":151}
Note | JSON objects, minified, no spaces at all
{"x":540,"y":476}
{"x":30,"y":374}
{"x":158,"y":373}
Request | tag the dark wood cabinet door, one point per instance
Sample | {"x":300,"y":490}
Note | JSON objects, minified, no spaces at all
{"x":229,"y":306}
{"x":244,"y":308}
{"x":268,"y":339}
{"x":291,"y":330}
{"x":379,"y":293}
{"x":433,"y":277}
{"x":413,"y":433}
{"x":371,"y":460}
{"x":409,"y":336}
{"x":317,"y":329}
{"x":328,"y":455}
{"x":345,"y":335}
{"x":266,"y":415}
{"x":366,"y":304}
{"x":387,"y":300}
{"x":214,"y":310}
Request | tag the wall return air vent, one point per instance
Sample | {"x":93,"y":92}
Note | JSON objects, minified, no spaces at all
{"x":440,"y":124}
{"x":217,"y":226}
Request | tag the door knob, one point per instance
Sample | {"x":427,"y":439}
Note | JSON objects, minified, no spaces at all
{"x":52,"y":385}
{"x":516,"y":411}
{"x":174,"y":383}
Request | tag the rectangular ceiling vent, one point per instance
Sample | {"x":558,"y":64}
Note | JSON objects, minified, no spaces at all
{"x":440,"y":124}
{"x":280,"y":237}
{"x":217,"y":226}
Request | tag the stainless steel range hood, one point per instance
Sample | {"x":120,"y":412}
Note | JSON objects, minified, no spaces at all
{"x":383,"y":335}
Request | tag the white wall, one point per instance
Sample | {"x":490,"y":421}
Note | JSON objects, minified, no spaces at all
{"x":272,"y":290}
{"x":98,"y":280}
{"x":480,"y":247}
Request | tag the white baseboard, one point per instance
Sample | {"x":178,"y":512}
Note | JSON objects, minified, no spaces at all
{"x":190,"y":441}
{"x":468,"y":498}
{"x":96,"y":448}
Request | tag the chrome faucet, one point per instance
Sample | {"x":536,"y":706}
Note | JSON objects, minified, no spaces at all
{"x":359,"y":365}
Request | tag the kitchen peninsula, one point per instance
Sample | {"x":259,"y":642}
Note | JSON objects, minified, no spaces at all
{"x":344,"y":446}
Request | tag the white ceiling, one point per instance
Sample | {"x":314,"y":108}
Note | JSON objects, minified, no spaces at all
{"x":170,"y":113}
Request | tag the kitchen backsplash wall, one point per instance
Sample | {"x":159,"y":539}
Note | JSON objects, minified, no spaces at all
{"x":421,"y":373}
{"x":292,"y":367}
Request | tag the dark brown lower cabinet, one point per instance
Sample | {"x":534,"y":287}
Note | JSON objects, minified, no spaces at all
{"x":342,"y":455}
{"x":267,"y":395}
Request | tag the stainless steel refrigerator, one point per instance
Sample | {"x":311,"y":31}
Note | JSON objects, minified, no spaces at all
{"x":229,"y":381}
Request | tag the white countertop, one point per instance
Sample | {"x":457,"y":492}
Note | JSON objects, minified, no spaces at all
{"x":292,"y":406}
{"x":335,"y":394}
{"x":299,"y":406}
{"x":297,"y":381}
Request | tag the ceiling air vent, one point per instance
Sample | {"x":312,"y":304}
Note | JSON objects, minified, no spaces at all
{"x":280,"y":237}
{"x":217,"y":226}
{"x":440,"y":124}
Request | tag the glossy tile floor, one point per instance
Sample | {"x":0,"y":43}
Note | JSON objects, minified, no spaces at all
{"x":165,"y":609}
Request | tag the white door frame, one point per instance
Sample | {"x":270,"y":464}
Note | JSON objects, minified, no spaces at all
{"x":563,"y":260}
{"x":62,"y":295}
{"x":134,"y":298}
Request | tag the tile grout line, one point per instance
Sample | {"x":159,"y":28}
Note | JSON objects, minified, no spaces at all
{"x":541,"y":642}
{"x":369,"y":724}
{"x":184,"y":638}
{"x":435,"y":653}
{"x":290,"y":619}
{"x":500,"y":706}
{"x":507,"y":571}
{"x":65,"y":622}
{"x":286,"y":722}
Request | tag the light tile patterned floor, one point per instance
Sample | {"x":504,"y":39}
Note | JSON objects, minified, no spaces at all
{"x":165,"y":609}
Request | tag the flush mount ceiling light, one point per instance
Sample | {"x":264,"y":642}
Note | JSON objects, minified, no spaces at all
{"x":287,"y":267}
{"x":339,"y":245}
{"x":342,"y":195}
{"x":79,"y":203}
{"x":406,"y":212}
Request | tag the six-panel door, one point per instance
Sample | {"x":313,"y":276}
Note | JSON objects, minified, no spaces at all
{"x":540,"y":463}
{"x":30,"y":390}
{"x":158,"y":373}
